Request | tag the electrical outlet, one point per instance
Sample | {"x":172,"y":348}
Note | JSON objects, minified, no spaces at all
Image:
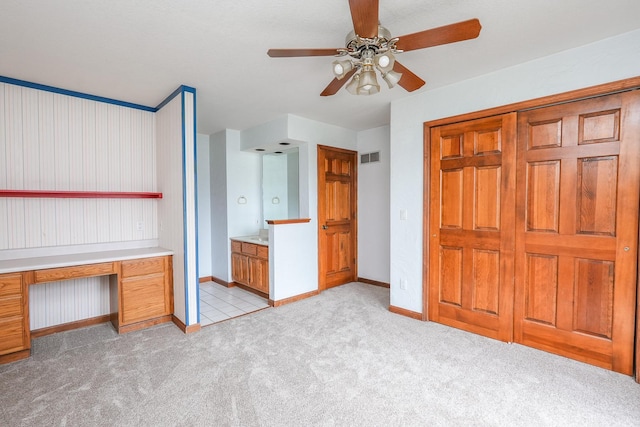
{"x":403,"y":284}
{"x":403,"y":214}
{"x":140,"y":226}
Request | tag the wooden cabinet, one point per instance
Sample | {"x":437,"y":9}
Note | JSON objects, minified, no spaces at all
{"x":250,"y":265}
{"x":141,"y":295}
{"x":14,"y":317}
{"x":145,"y":293}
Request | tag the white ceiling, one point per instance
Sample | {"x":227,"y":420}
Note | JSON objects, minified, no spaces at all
{"x":140,"y":51}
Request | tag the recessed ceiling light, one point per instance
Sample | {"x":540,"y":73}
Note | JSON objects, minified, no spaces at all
{"x":259,"y":149}
{"x":285,"y":143}
{"x":278,"y":152}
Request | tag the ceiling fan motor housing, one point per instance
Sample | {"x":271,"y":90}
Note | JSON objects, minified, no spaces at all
{"x":356,"y":44}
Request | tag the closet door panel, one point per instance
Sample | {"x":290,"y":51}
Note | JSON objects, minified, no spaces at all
{"x":472,"y":205}
{"x":577,"y":229}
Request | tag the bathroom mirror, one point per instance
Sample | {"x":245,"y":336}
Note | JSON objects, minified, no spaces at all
{"x":280,"y":185}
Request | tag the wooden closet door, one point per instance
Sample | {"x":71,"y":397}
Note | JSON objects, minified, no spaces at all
{"x":472,"y":224}
{"x":577,"y":229}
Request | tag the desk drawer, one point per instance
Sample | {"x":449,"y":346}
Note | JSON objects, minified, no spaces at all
{"x":12,"y":335}
{"x":10,"y":284}
{"x":11,"y":306}
{"x":249,"y":248}
{"x":75,"y":272}
{"x":263,"y":252}
{"x":142,"y":267}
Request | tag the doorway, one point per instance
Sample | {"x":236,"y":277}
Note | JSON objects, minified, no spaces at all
{"x":337,"y":216}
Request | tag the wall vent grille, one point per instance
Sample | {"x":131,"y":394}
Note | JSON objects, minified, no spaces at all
{"x":370,"y":157}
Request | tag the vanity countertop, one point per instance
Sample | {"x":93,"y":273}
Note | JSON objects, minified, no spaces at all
{"x":252,"y":239}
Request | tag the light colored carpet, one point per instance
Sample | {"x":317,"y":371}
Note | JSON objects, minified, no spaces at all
{"x":338,"y":359}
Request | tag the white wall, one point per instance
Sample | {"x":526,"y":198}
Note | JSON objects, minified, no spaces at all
{"x":373,"y":206}
{"x":234,"y":174}
{"x":605,"y":61}
{"x":204,"y":205}
{"x":293,"y":184}
{"x":218,"y":185}
{"x":275,"y":185}
{"x":244,"y":179}
{"x":293,"y":270}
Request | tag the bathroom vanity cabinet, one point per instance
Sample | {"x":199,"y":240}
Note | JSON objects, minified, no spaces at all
{"x":250,"y":265}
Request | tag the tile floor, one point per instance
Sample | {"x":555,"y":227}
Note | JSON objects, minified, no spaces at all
{"x":218,"y":303}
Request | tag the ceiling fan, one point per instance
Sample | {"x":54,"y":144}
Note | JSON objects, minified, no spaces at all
{"x":370,"y":46}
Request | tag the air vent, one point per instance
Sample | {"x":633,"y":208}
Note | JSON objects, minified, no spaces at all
{"x":370,"y":157}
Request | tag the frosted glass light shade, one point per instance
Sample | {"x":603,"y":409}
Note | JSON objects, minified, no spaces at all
{"x":341,"y":68}
{"x":352,"y":86}
{"x":368,"y":83}
{"x":385,"y":61}
{"x":392,"y":78}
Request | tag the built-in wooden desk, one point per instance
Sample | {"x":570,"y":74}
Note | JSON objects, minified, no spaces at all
{"x":141,"y":290}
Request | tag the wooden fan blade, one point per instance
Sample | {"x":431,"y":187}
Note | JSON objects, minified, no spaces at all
{"x":408,"y":81}
{"x":364,"y":14}
{"x":464,"y":30}
{"x":336,"y":84}
{"x":287,"y":53}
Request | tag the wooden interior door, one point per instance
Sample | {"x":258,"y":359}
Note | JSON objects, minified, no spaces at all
{"x":337,"y":216}
{"x":472,"y":210}
{"x":577,"y":229}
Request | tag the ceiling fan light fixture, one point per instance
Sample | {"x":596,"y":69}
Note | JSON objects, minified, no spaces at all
{"x":385,"y":61}
{"x":341,"y":68}
{"x":392,"y":78}
{"x":368,"y":84}
{"x":352,"y":86}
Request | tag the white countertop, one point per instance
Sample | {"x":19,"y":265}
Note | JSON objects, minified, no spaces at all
{"x":251,"y":239}
{"x":56,"y":261}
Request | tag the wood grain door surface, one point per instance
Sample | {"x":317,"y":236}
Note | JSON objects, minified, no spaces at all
{"x":577,"y":229}
{"x":539,"y":244}
{"x":337,"y":226}
{"x":471,"y":244}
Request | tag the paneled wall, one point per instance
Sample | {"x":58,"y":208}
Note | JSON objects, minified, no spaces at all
{"x":177,"y":213}
{"x":54,"y":141}
{"x":50,"y":141}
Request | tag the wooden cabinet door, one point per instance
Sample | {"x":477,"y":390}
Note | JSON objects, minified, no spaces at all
{"x":577,"y":229}
{"x":143,"y":298}
{"x":240,"y":268}
{"x":472,"y":210}
{"x":146,"y":290}
{"x":259,"y":274}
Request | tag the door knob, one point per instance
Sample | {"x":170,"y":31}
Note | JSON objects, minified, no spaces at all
{"x":325,"y":227}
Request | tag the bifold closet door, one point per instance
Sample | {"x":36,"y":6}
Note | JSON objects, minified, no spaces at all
{"x":472,"y":225}
{"x":577,"y":229}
